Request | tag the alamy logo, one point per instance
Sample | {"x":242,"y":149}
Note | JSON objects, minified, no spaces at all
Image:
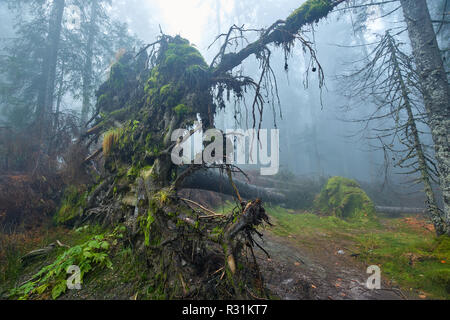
{"x":241,"y":147}
{"x":74,"y":281}
{"x":374,"y":281}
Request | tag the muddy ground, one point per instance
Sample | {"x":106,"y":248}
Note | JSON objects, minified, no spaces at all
{"x":294,"y":272}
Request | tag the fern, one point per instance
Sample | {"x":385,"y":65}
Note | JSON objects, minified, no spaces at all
{"x":87,"y":256}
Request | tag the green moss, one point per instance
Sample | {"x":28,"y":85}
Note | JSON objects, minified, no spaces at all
{"x":309,"y":12}
{"x":181,"y":55}
{"x":166,"y":90}
{"x":440,"y":277}
{"x":119,"y":114}
{"x":442,"y":249}
{"x":344,"y":198}
{"x":182,"y":109}
{"x":180,"y":61}
{"x":72,"y":205}
{"x":132,"y":172}
{"x":102,"y":102}
{"x":147,"y":222}
{"x":162,"y":197}
{"x":407,"y":258}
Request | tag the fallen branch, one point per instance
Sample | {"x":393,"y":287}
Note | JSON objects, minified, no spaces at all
{"x":93,"y":156}
{"x":213,"y":214}
{"x":41,"y":252}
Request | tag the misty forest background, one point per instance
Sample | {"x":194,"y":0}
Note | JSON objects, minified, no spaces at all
{"x":349,"y":102}
{"x":321,"y":132}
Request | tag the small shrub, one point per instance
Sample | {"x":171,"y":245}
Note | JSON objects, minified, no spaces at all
{"x":87,"y":256}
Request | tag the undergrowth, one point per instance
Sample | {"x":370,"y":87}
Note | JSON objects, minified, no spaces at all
{"x":89,"y":255}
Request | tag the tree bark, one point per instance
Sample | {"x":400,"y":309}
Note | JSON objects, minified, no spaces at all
{"x":213,"y":181}
{"x":87,"y":70}
{"x":48,"y":74}
{"x":436,"y":92}
{"x":432,"y":206}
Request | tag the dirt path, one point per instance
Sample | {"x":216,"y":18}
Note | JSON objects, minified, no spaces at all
{"x":294,"y":272}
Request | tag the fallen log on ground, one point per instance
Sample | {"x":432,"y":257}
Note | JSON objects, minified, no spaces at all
{"x":399,"y":210}
{"x":214,"y":181}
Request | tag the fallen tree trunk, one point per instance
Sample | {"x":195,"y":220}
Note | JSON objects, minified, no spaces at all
{"x":399,"y":210}
{"x":213,"y":181}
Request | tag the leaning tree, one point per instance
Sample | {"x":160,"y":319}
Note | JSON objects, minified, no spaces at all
{"x":191,"y":251}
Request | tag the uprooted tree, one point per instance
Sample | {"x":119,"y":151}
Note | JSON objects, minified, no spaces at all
{"x":192,"y":251}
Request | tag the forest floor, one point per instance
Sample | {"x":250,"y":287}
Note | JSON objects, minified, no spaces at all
{"x":295,"y":272}
{"x":311,"y":257}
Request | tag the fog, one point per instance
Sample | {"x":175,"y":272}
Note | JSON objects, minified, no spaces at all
{"x":317,"y":135}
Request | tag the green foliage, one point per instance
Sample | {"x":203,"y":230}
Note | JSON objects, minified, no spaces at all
{"x":146,"y":224}
{"x":442,"y":249}
{"x":132,"y":173}
{"x":309,"y":224}
{"x":410,"y":259}
{"x":182,"y":109}
{"x":344,"y":198}
{"x":73,"y":201}
{"x":87,"y":256}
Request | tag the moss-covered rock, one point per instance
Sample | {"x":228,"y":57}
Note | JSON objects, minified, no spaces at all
{"x":344,"y":198}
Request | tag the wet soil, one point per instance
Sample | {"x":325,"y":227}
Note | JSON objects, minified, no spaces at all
{"x":327,"y":272}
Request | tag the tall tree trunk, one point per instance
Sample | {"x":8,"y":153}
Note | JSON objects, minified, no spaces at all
{"x":432,"y":207}
{"x":59,"y":96}
{"x":48,"y":74}
{"x":436,"y":92}
{"x":87,"y":70}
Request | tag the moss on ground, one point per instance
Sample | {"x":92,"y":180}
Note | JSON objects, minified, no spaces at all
{"x":408,"y":257}
{"x":72,"y":205}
